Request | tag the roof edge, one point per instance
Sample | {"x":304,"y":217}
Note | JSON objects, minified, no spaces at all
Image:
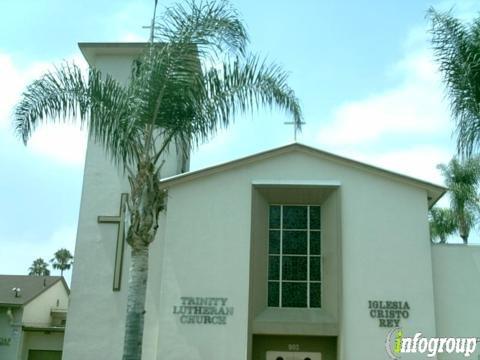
{"x":48,"y":287}
{"x":435,"y":191}
{"x":90,"y":50}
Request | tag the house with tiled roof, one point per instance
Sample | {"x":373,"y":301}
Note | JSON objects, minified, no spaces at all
{"x":33,"y":312}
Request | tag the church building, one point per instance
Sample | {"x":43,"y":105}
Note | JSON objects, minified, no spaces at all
{"x":289,"y":254}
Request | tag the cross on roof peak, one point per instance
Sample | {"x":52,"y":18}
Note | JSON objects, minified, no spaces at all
{"x":296,"y":127}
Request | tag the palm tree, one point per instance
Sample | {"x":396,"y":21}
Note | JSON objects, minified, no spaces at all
{"x":192,"y":81}
{"x":457,"y":50}
{"x":462,"y":180}
{"x":39,"y":268}
{"x":442,"y":224}
{"x":62,"y":260}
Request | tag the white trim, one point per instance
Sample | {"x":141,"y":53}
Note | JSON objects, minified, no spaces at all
{"x":296,"y":183}
{"x":434,"y":191}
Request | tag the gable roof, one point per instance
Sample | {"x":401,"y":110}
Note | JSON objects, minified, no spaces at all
{"x":434,"y":191}
{"x":30,"y":287}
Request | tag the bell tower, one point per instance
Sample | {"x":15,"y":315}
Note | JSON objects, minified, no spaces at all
{"x":99,"y":280}
{"x":116,"y":59}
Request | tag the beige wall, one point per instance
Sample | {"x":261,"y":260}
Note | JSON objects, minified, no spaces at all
{"x":41,"y":341}
{"x":37,"y":312}
{"x":457,"y":291}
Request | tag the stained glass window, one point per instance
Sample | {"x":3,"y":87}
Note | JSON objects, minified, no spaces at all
{"x":294,"y":261}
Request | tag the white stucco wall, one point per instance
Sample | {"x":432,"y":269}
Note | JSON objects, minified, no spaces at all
{"x":95,"y":310}
{"x":457,"y":292}
{"x":384,"y":241}
{"x":37,"y":312}
{"x":383,"y":235}
{"x":206,"y":254}
{"x":385,"y":256}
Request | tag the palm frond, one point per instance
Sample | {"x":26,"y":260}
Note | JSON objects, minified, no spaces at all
{"x":457,"y":50}
{"x":57,"y":96}
{"x":462,"y":178}
{"x":442,"y":224}
{"x":212,"y":99}
{"x":214,"y":27}
{"x":246,"y":85}
{"x":99,"y":103}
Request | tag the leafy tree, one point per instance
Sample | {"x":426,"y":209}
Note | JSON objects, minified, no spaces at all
{"x":62,"y":260}
{"x":457,"y":50}
{"x":39,"y":268}
{"x":462,"y":180}
{"x":187,"y":85}
{"x":442,"y":224}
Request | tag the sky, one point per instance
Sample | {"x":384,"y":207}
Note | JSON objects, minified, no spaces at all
{"x":363,"y":71}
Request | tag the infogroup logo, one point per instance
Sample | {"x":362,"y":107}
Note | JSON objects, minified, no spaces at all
{"x":397,"y":343}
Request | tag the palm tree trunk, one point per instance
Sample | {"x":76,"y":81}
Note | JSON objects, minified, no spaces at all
{"x":464,"y":228}
{"x":137,"y":289}
{"x":145,"y":203}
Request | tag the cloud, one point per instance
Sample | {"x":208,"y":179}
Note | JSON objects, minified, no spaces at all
{"x":210,"y":153}
{"x":419,"y":161}
{"x":10,"y":88}
{"x":132,"y":37}
{"x":134,"y":15}
{"x":60,"y":143}
{"x":414,"y":106}
{"x":406,"y":128}
{"x":465,"y":10}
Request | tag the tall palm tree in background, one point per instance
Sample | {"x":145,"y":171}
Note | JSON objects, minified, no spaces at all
{"x":462,"y":180}
{"x":442,"y":224}
{"x":457,"y":51}
{"x":191,"y":82}
{"x":39,"y":268}
{"x":62,"y":260}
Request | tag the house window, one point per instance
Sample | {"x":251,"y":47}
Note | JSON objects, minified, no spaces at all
{"x":294,"y":256}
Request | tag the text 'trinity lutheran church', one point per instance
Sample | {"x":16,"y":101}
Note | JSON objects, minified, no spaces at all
{"x":292,"y":253}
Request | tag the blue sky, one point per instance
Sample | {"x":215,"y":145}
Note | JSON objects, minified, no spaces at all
{"x":362,"y":70}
